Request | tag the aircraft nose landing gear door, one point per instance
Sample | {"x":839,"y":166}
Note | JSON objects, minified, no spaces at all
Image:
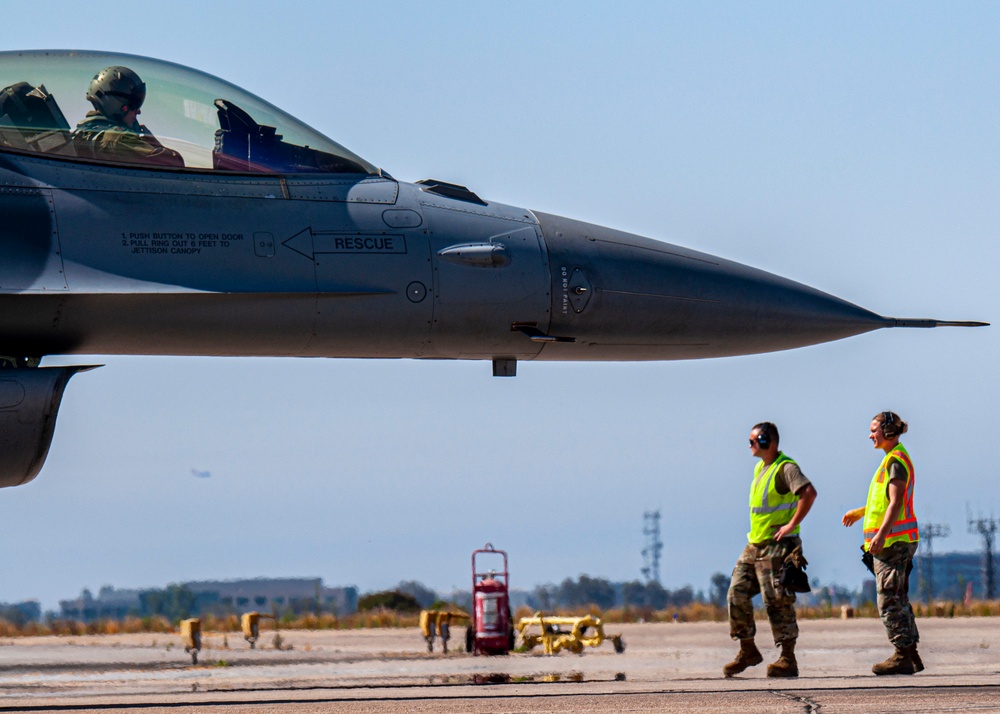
{"x":490,"y":276}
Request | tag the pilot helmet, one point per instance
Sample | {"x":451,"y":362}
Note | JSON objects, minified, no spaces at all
{"x":114,"y":91}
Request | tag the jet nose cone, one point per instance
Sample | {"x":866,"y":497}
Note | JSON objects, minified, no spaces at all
{"x":627,"y":297}
{"x":774,"y":313}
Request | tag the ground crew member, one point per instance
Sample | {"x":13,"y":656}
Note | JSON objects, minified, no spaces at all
{"x":780,"y":497}
{"x":891,"y":537}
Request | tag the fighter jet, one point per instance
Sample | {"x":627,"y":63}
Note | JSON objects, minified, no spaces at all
{"x":221,"y":225}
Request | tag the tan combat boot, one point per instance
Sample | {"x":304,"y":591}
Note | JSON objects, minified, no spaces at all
{"x":785,"y":665}
{"x":918,"y":665}
{"x":901,"y":662}
{"x":748,"y":656}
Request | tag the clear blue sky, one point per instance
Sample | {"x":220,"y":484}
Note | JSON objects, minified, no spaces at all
{"x":851,"y":146}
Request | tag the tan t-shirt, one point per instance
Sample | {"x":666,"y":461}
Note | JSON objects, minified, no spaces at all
{"x":790,"y":479}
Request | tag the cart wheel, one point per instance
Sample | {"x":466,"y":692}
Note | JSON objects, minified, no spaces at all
{"x":619,"y":644}
{"x":468,"y":638}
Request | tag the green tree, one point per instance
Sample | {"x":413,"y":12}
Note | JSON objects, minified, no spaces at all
{"x":587,"y":591}
{"x":719,"y":590}
{"x":390,"y":600}
{"x":420,"y":592}
{"x":634,"y":594}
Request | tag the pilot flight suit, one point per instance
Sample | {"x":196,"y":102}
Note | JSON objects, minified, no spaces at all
{"x":102,"y":138}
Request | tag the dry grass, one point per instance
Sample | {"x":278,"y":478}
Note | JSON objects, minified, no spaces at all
{"x":379,"y":617}
{"x":702,"y":612}
{"x":695,"y":612}
{"x":65,"y":628}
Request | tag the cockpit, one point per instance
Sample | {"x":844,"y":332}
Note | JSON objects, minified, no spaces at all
{"x":64,"y":104}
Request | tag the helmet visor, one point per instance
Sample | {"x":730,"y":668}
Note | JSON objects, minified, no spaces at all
{"x":133,"y":99}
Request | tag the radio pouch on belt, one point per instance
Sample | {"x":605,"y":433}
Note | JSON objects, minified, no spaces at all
{"x":868,"y":559}
{"x":792,"y":575}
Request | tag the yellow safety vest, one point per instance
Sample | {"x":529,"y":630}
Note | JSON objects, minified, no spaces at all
{"x":769,"y":510}
{"x":905,"y":529}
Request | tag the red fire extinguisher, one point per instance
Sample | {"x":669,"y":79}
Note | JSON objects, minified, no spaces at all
{"x":491,"y":631}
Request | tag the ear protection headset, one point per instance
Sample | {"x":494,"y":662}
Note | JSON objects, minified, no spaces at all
{"x":764,"y":438}
{"x":888,"y":425}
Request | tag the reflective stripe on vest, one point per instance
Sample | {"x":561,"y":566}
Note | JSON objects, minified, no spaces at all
{"x":769,"y":510}
{"x":906,"y":528}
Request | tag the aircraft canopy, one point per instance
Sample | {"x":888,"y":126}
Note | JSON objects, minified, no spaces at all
{"x":213,"y":125}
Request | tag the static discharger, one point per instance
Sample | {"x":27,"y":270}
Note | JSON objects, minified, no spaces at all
{"x":191,"y":637}
{"x":580,"y":632}
{"x":250,"y":623}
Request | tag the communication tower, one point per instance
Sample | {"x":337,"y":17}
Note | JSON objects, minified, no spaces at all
{"x":987,"y":528}
{"x":654,"y":546}
{"x":927,"y":535}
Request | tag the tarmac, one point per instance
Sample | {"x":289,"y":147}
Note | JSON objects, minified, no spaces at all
{"x":670,"y":667}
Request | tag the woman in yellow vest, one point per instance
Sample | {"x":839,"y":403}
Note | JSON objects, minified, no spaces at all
{"x":891,"y":537}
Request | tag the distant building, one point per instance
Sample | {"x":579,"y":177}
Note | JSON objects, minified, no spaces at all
{"x":110,"y":604}
{"x":952,"y":574}
{"x":298,"y":595}
{"x":869,"y":592}
{"x":218,"y":597}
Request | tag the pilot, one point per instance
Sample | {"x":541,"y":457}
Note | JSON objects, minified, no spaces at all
{"x":780,"y":497}
{"x":111,"y":132}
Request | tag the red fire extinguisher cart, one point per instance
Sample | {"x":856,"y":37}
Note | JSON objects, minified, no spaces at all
{"x":491,"y":631}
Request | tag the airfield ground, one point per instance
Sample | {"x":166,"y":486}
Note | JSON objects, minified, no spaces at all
{"x":666,"y":667}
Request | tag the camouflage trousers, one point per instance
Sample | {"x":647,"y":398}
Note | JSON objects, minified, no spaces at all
{"x":757,"y":571}
{"x":892,"y":581}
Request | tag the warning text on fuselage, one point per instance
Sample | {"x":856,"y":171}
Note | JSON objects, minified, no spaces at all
{"x":359,"y":244}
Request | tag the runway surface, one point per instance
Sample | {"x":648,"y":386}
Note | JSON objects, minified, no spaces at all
{"x":666,"y":667}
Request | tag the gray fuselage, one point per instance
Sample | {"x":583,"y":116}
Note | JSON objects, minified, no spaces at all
{"x":104,"y":259}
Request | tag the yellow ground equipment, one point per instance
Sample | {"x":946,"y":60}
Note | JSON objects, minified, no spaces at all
{"x":250,"y":622}
{"x":191,"y":637}
{"x":569,"y":633}
{"x":438,"y":622}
